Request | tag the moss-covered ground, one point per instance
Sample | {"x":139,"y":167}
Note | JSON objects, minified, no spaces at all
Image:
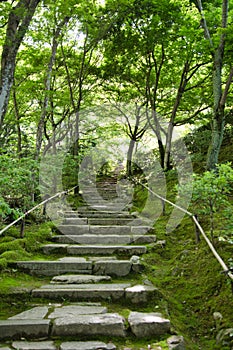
{"x":186,"y":273}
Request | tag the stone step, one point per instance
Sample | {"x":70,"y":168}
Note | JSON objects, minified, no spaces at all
{"x":68,"y":345}
{"x":104,"y":200}
{"x":79,"y":279}
{"x":34,"y":345}
{"x":147,"y":325}
{"x":59,"y":310}
{"x":79,"y":325}
{"x":77,"y":320}
{"x":91,"y":325}
{"x":102,"y":221}
{"x":29,"y":329}
{"x":118,"y":207}
{"x":52,"y":268}
{"x":88,"y":213}
{"x":98,"y":266}
{"x":75,"y":221}
{"x":104,"y":214}
{"x":103,"y":230}
{"x":114,"y":221}
{"x":105,"y":239}
{"x":138,"y":294}
{"x":67,"y":249}
{"x":89,"y":345}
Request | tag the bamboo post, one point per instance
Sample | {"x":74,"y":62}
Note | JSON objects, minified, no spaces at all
{"x":22,"y":227}
{"x":197,"y":232}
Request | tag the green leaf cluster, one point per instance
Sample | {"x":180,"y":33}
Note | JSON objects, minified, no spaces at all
{"x":211,"y":193}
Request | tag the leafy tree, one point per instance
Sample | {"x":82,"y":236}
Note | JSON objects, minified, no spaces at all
{"x":217,"y":31}
{"x":19,"y":19}
{"x":18,"y":184}
{"x":151,"y":48}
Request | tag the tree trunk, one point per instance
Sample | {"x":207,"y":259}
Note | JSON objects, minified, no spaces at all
{"x":41,"y":124}
{"x":168,"y":146}
{"x":129,"y":169}
{"x":180,"y":92}
{"x":17,"y":116}
{"x":18,"y":21}
{"x":218,"y":121}
{"x":219,"y":96}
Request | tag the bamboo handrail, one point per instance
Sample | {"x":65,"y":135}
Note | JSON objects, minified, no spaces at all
{"x":226,"y":269}
{"x":37,"y":206}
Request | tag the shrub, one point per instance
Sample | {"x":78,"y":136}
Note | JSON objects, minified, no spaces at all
{"x":210,"y":195}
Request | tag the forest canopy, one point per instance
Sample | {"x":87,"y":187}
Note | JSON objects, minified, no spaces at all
{"x":80,"y":73}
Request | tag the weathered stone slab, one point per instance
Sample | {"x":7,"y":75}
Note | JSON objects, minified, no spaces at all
{"x":40,"y":345}
{"x":117,"y":268}
{"x":145,"y":239}
{"x":17,"y":329}
{"x":139,"y":230}
{"x":88,"y":345}
{"x":75,"y":221}
{"x":76,"y":260}
{"x":103,"y":239}
{"x":55,"y":249}
{"x":51,"y":268}
{"x":82,"y":292}
{"x":98,"y":214}
{"x":140,"y":293}
{"x":103,"y":250}
{"x":38,"y":312}
{"x":70,"y":214}
{"x":90,"y":325}
{"x":76,"y":310}
{"x":102,"y":258}
{"x":148,"y":324}
{"x":110,"y":207}
{"x":176,"y":342}
{"x":109,"y":221}
{"x":74,"y":229}
{"x":79,"y":279}
{"x":110,"y":230}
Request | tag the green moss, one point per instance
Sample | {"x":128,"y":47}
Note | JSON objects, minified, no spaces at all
{"x":16,"y":244}
{"x":3,"y":263}
{"x":15,"y":255}
{"x":193,"y":287}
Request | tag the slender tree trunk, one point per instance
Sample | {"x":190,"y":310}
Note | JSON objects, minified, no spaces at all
{"x":41,"y":124}
{"x":129,"y":169}
{"x":18,"y":21}
{"x":155,"y":126}
{"x":218,"y":120}
{"x":219,"y":96}
{"x":168,"y":146}
{"x":17,"y":116}
{"x":180,"y":92}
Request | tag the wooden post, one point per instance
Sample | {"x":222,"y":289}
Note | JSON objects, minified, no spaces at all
{"x":22,"y":228}
{"x":163,"y":207}
{"x":46,"y":197}
{"x":197,"y":232}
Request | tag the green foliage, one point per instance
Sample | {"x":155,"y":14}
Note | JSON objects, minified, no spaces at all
{"x":18,"y":185}
{"x":3,"y":263}
{"x":12,"y":255}
{"x":35,"y":237}
{"x":5,"y":209}
{"x":13,"y":248}
{"x":210,"y":197}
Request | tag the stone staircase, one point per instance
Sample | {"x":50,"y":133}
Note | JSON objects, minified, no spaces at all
{"x":99,"y":246}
